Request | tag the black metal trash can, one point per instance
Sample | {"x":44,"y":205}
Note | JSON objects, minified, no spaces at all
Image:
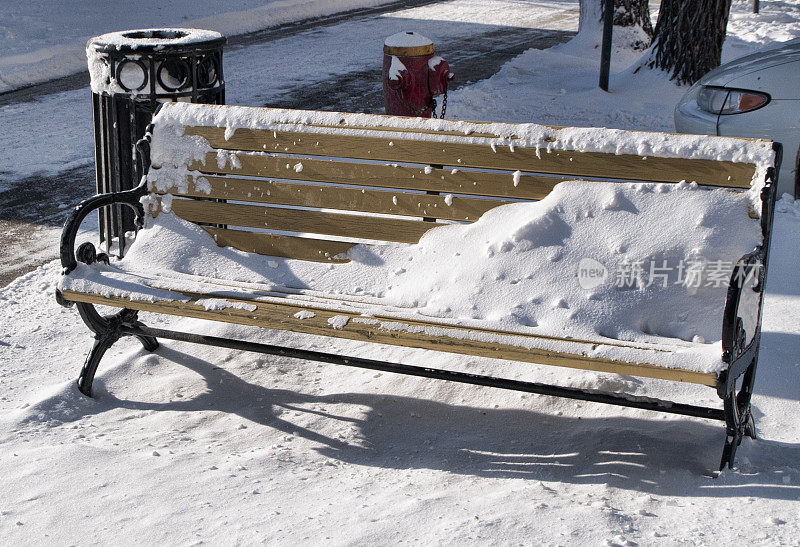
{"x":132,"y":72}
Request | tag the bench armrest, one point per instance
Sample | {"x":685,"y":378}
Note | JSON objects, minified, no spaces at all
{"x":741,"y":320}
{"x":130,"y":198}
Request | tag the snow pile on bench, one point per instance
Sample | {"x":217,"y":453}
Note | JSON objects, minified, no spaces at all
{"x":514,"y":269}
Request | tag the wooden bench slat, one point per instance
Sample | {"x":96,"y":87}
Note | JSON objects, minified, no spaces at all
{"x":300,"y":248}
{"x":399,"y":149}
{"x":338,"y":197}
{"x":404,"y":333}
{"x":301,"y":221}
{"x":478,"y":183}
{"x":364,"y":305}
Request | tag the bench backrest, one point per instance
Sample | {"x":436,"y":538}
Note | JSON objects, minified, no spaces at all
{"x":310,"y":185}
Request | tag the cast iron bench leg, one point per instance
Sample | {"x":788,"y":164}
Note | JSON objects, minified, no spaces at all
{"x":107,"y":332}
{"x":738,"y":417}
{"x":101,"y":345}
{"x":149,"y":343}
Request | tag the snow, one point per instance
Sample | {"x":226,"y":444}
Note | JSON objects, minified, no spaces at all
{"x":222,"y":304}
{"x":407,"y":39}
{"x":366,"y":454}
{"x":777,"y":21}
{"x":395,"y":68}
{"x":174,"y":116}
{"x":338,"y":321}
{"x":541,"y":78}
{"x":87,"y":278}
{"x":152,"y":38}
{"x":256,"y":448}
{"x":434,"y":61}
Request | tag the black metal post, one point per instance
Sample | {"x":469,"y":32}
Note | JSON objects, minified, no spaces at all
{"x":756,"y":5}
{"x":605,"y":54}
{"x":133,"y":72}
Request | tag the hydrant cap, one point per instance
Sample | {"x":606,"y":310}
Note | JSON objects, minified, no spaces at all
{"x":408,"y":44}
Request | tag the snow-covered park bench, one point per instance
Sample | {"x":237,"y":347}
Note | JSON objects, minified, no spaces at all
{"x":640,"y":254}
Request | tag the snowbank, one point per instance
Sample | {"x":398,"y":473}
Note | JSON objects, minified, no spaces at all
{"x":560,"y":85}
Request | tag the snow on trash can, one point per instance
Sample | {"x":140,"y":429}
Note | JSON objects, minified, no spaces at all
{"x":132,"y":72}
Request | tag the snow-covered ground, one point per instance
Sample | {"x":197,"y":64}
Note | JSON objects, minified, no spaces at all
{"x":195,"y":444}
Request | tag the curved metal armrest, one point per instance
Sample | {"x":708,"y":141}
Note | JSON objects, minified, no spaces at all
{"x":748,"y":274}
{"x":741,"y":320}
{"x":129,"y":197}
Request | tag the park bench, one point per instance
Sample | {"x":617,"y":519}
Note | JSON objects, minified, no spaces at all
{"x":308,"y":188}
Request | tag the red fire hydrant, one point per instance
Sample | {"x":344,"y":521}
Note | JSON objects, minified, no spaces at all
{"x":413,"y":76}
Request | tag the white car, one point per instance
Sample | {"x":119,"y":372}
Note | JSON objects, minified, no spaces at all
{"x":753,"y":96}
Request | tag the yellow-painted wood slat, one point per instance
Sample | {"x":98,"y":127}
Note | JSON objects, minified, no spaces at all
{"x":416,"y":334}
{"x":363,"y":305}
{"x":301,"y":221}
{"x":441,"y":152}
{"x":300,"y":248}
{"x":337,"y":197}
{"x":449,"y":181}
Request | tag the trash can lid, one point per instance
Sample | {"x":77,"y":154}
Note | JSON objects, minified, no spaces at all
{"x":155,"y":39}
{"x":408,"y":44}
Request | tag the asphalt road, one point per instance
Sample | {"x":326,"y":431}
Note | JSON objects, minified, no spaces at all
{"x":33,"y":208}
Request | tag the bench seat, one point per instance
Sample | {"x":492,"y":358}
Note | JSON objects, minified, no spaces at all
{"x":369,"y":320}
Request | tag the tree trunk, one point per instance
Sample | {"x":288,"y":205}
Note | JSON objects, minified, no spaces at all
{"x":631,"y":15}
{"x":688,"y":38}
{"x":591,"y":17}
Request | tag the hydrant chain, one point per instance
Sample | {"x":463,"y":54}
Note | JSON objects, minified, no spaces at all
{"x":444,"y":105}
